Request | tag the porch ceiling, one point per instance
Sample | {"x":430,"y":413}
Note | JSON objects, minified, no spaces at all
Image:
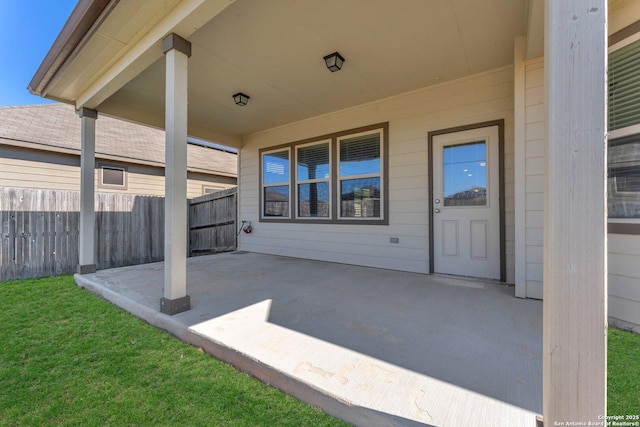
{"x":273,"y":52}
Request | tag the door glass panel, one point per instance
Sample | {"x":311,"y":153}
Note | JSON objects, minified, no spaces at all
{"x":465,"y":174}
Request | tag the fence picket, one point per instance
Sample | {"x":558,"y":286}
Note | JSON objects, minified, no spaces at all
{"x":40,"y":229}
{"x":210,"y":218}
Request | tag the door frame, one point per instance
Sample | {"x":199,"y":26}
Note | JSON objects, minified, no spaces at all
{"x":500,"y":124}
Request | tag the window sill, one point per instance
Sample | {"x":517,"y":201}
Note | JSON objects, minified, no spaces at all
{"x":355,"y":221}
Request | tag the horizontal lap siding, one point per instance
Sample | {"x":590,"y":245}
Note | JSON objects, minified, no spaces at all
{"x":148,"y":180}
{"x":26,"y":168}
{"x":411,"y":117}
{"x":624,"y":279}
{"x":42,"y":170}
{"x":197,"y":181}
{"x":534,"y":175}
{"x":623,"y":250}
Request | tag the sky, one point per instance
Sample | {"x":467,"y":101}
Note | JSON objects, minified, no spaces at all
{"x":27,"y":31}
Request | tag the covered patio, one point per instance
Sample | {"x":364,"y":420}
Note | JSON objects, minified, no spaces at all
{"x":370,"y":346}
{"x":525,"y":81}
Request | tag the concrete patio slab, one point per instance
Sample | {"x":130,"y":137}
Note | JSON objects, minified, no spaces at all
{"x":370,"y":346}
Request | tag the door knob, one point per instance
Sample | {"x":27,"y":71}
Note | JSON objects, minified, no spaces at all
{"x":436,"y":210}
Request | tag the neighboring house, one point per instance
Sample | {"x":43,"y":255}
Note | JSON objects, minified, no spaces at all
{"x":40,"y":149}
{"x":378,"y":164}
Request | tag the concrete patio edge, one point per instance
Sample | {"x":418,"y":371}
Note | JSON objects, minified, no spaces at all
{"x":332,"y":405}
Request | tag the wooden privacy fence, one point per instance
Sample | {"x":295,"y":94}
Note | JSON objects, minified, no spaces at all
{"x":40,"y":228}
{"x":212,"y":222}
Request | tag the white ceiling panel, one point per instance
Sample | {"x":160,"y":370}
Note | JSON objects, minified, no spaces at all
{"x":272,"y":50}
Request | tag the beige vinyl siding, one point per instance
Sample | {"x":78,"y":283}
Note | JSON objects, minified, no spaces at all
{"x":26,"y":168}
{"x":534,"y":175}
{"x":624,"y":280}
{"x":196,"y":181}
{"x":411,"y":116}
{"x":149,"y":180}
{"x":623,"y":250}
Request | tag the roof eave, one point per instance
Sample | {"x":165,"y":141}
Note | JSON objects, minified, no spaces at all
{"x":78,"y":26}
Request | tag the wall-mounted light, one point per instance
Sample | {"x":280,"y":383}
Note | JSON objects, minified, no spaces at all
{"x":334,"y":61}
{"x":241,"y":99}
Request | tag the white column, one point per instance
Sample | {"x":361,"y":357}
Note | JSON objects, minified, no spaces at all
{"x":520,"y":47}
{"x":177,"y":50}
{"x":87,"y":263}
{"x":575,"y":249}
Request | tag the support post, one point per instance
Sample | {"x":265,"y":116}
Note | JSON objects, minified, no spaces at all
{"x":520,"y":173}
{"x":575,"y":248}
{"x":86,"y":252}
{"x":175,"y":300}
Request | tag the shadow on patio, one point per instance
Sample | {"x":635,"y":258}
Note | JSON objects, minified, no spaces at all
{"x":403,"y":348}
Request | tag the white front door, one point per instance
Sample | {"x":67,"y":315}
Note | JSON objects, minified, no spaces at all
{"x":466,"y":203}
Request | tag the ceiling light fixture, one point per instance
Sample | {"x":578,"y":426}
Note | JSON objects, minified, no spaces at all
{"x":241,"y":99}
{"x":334,"y":61}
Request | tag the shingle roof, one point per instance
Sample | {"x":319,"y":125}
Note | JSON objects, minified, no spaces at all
{"x":58,"y":125}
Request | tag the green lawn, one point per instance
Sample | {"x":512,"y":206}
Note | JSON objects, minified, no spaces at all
{"x":623,"y":374}
{"x":69,"y":358}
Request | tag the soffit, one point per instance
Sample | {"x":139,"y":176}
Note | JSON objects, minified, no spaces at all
{"x":126,"y":24}
{"x":273,"y":51}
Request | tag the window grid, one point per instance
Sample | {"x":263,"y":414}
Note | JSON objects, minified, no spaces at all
{"x":280,"y":205}
{"x":313,"y":182}
{"x":332,"y":183}
{"x":370,"y":205}
{"x":623,"y":157}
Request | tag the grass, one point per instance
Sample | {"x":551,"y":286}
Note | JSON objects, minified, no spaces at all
{"x":69,"y":358}
{"x":623,"y":373}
